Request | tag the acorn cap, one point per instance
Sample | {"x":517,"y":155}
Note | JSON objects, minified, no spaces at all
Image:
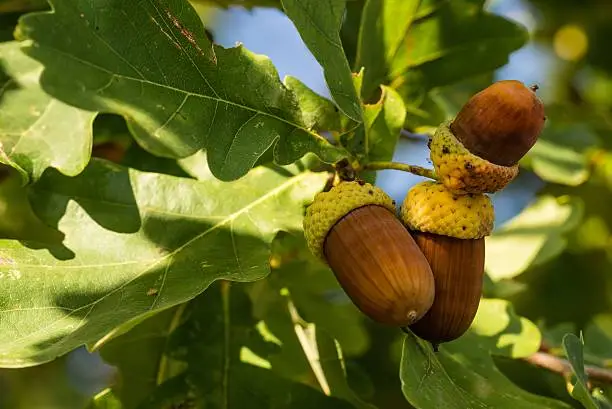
{"x":430,"y":207}
{"x":329,"y":207}
{"x":463,"y":172}
{"x":500,"y":123}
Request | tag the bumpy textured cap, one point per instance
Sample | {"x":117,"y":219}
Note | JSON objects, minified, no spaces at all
{"x":430,"y":207}
{"x":329,"y":207}
{"x":463,"y":172}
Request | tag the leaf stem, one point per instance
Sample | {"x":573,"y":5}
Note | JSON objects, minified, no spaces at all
{"x":562,"y":367}
{"x":416,"y":170}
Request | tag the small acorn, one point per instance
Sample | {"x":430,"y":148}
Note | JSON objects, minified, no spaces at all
{"x":449,"y":229}
{"x":479,"y":151}
{"x":354,"y":229}
{"x":501,"y":123}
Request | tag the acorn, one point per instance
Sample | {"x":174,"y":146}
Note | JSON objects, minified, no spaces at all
{"x":354,"y":229}
{"x":449,"y":229}
{"x":479,"y":151}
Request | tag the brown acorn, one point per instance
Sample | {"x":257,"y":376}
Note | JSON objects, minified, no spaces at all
{"x":458,"y":268}
{"x":500,"y":123}
{"x":450,"y":230}
{"x":478,"y":151}
{"x":353,"y":228}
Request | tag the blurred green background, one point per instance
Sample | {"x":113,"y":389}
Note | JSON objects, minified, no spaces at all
{"x":569,"y":280}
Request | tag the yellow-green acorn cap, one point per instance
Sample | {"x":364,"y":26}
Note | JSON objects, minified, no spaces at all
{"x":329,"y":207}
{"x":463,"y":172}
{"x":430,"y":207}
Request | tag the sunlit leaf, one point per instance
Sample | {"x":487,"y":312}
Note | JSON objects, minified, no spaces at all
{"x":415,"y":46}
{"x":533,"y":237}
{"x":136,"y":242}
{"x":319,"y":27}
{"x":36,"y":130}
{"x":561,"y":156}
{"x":318,"y":113}
{"x":307,"y":353}
{"x":384,"y":121}
{"x":178,"y":91}
{"x":17,"y":219}
{"x":462,"y":374}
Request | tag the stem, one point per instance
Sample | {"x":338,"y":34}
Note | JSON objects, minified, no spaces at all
{"x":563,"y":367}
{"x":416,"y":170}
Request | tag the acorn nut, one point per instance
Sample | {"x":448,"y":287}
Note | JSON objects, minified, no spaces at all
{"x":353,"y":228}
{"x":501,"y":123}
{"x":450,"y":230}
{"x":478,"y":151}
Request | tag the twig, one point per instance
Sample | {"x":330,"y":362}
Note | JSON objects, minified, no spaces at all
{"x":417,"y":170}
{"x":563,"y":367}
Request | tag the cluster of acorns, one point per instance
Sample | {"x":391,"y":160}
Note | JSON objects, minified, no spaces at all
{"x":424,"y":269}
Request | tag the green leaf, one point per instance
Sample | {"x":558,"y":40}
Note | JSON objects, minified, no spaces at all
{"x":141,"y":355}
{"x":219,"y":341}
{"x":583,"y":278}
{"x":36,"y":130}
{"x":135,"y":243}
{"x":179,"y":354}
{"x":315,"y":292}
{"x":598,"y":336}
{"x":561,"y":156}
{"x":384,"y":121}
{"x":319,"y":27}
{"x":416,"y":46}
{"x":533,"y":237}
{"x":377,"y":137}
{"x":573,"y":350}
{"x":113,"y":129}
{"x":317,"y":112}
{"x":381,"y":34}
{"x":178,"y":91}
{"x":462,"y":374}
{"x":306,"y":351}
{"x":17,"y":219}
{"x":302,"y":307}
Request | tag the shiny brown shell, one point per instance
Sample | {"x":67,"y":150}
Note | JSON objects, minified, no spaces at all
{"x":379,"y":266}
{"x":458,"y":269}
{"x":500,"y":123}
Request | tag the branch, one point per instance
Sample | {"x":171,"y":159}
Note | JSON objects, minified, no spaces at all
{"x":563,"y":367}
{"x":417,"y":170}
